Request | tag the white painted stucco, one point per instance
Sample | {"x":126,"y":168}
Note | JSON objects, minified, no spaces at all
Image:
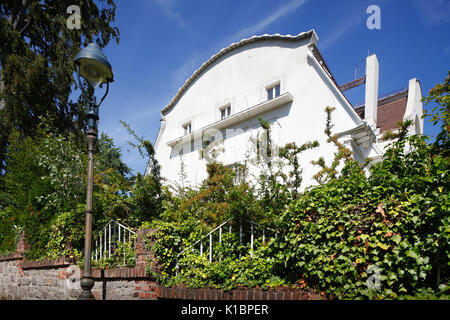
{"x":239,"y":77}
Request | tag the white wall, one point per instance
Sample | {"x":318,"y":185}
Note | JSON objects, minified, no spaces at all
{"x":240,"y":78}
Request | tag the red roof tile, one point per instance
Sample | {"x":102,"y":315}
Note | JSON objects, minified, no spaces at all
{"x":390,"y":110}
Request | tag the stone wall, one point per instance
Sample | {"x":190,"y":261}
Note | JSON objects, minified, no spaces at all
{"x":29,"y":282}
{"x":60,"y":280}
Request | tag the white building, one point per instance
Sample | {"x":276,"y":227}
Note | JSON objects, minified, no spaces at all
{"x":285,"y":81}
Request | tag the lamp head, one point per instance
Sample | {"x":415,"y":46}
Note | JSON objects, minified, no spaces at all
{"x":93,"y":65}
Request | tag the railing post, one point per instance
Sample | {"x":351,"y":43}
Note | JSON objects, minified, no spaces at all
{"x":101,"y":247}
{"x":251,"y":240}
{"x":240,"y":236}
{"x":220,"y":234}
{"x":105,"y":240}
{"x":201,"y":248}
{"x":240,"y":231}
{"x":109,"y":240}
{"x":114,"y":236}
{"x":124,"y":240}
{"x":210,"y":247}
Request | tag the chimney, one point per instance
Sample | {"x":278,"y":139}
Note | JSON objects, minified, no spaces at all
{"x":371,"y":99}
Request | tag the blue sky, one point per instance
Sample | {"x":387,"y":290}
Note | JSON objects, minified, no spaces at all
{"x":163,"y":42}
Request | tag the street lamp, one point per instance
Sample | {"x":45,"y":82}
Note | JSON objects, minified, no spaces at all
{"x":93,"y":66}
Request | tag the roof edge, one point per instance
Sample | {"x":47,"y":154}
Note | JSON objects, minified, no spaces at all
{"x":299,"y":37}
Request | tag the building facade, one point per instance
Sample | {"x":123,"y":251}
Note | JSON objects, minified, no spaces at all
{"x":284,"y":81}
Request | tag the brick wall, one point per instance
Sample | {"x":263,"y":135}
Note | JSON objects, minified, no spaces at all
{"x":59,"y":280}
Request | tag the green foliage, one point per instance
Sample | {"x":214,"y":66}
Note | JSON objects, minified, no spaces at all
{"x":44,"y":176}
{"x":397,"y":220}
{"x":343,"y":154}
{"x":440,"y":114}
{"x":67,"y":235}
{"x":331,"y":236}
{"x":36,"y":62}
{"x":9,"y":231}
{"x":122,"y":255}
{"x":44,"y":193}
{"x":147,"y":192}
{"x":108,"y":156}
{"x":195,"y":271}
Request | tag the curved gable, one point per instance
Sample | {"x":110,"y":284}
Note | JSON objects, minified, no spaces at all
{"x":300,"y":37}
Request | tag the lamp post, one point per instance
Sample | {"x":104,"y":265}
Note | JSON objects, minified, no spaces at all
{"x":92,"y":65}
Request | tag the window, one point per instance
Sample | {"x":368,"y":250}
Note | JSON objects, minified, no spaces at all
{"x":225,"y":112}
{"x":187,"y":128}
{"x":273,"y":91}
{"x":237,"y":169}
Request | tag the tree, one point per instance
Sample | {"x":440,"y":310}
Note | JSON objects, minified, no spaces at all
{"x":440,"y":113}
{"x":147,"y":194}
{"x":108,"y":156}
{"x":44,"y":178}
{"x":36,"y":62}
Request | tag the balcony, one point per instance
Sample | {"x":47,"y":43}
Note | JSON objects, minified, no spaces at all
{"x":237,"y":117}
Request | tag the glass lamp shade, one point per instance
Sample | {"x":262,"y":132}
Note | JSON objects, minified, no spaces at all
{"x":93,"y":65}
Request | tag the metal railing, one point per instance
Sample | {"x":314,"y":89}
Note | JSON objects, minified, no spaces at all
{"x":256,"y":231}
{"x":109,"y":238}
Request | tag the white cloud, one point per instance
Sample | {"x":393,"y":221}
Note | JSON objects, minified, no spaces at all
{"x":336,"y":35}
{"x":183,"y":72}
{"x":266,"y":21}
{"x":168,"y":9}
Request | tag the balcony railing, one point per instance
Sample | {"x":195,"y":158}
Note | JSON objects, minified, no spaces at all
{"x":109,"y":239}
{"x":205,"y":245}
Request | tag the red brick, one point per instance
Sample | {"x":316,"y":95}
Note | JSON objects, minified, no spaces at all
{"x":188,"y":294}
{"x":288,"y":295}
{"x":305,"y":296}
{"x":272,"y":295}
{"x":314,"y":297}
